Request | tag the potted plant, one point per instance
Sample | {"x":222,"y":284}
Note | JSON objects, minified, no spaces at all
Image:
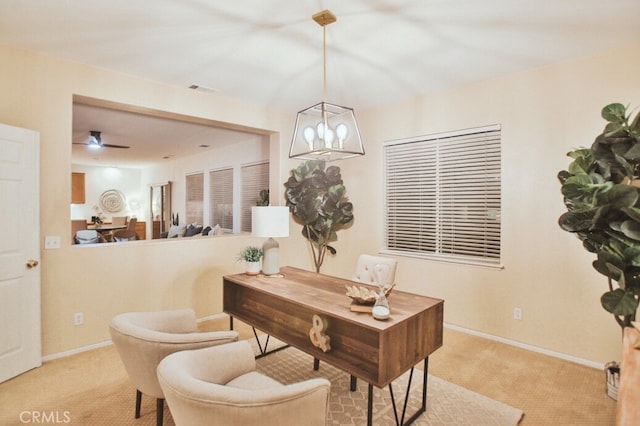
{"x":603,"y":208}
{"x":264,"y":198}
{"x":251,"y":256}
{"x":602,"y":197}
{"x":316,"y":198}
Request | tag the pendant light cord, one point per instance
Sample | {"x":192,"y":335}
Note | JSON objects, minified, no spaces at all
{"x":324,"y":63}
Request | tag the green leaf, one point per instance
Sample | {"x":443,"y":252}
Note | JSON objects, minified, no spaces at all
{"x":632,"y":255}
{"x":618,"y":196}
{"x":631,"y":229}
{"x":632,"y":212}
{"x":577,"y":220}
{"x":336,"y":192}
{"x":619,"y":302}
{"x":612,"y":133}
{"x":614,"y":112}
{"x":609,"y":264}
{"x":634,"y":152}
{"x":635,"y":124}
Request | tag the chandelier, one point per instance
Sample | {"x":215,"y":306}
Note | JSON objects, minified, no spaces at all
{"x":325,"y":131}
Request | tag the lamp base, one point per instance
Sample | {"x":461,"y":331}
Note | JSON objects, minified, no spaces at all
{"x":271,"y":257}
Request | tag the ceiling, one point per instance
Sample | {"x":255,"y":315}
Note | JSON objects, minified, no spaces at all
{"x":151,"y":139}
{"x":269,"y":52}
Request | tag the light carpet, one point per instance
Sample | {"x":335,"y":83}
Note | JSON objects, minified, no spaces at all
{"x":92,"y":388}
{"x":447,"y":404}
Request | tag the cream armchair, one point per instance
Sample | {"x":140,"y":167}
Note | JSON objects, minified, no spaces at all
{"x":219,"y":386}
{"x":143,"y":339}
{"x":366,"y":270}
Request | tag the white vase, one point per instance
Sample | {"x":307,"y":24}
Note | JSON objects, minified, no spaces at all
{"x":252,"y":268}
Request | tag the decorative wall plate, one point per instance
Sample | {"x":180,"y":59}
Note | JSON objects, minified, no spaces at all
{"x":112,"y":201}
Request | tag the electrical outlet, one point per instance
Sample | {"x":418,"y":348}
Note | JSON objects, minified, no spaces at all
{"x":78,"y":318}
{"x":52,"y":242}
{"x":517,"y":313}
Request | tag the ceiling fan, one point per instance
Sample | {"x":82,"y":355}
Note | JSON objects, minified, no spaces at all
{"x":95,"y":141}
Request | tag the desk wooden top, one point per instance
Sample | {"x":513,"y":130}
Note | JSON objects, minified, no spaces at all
{"x":327,"y":294}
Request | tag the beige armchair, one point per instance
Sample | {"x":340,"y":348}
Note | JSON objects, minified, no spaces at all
{"x":143,"y":339}
{"x":219,"y":386}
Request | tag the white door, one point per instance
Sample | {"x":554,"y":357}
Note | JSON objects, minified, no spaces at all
{"x":20,"y":344}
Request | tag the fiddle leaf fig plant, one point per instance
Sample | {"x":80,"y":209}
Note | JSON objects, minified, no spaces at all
{"x":316,"y":198}
{"x":601,"y":190}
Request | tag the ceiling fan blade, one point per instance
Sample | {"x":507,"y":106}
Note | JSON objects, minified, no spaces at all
{"x":106,"y":145}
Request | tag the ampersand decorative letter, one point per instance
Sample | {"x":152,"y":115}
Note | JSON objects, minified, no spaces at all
{"x":318,"y":338}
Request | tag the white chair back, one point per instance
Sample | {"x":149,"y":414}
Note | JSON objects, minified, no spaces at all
{"x":375,"y":270}
{"x":87,"y":236}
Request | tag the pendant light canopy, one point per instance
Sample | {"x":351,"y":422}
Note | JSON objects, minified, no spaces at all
{"x":325,"y":131}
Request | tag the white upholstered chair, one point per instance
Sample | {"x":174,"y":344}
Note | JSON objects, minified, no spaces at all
{"x":219,"y":386}
{"x":77,"y":225}
{"x":143,"y":339}
{"x":367,"y":266}
{"x":89,"y":236}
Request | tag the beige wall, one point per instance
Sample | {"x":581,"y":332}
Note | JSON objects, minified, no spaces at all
{"x":544,"y":113}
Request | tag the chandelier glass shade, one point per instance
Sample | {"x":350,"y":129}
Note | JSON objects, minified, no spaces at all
{"x":325,"y":131}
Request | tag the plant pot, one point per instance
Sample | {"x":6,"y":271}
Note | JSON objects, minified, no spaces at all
{"x":252,"y":268}
{"x":612,"y":371}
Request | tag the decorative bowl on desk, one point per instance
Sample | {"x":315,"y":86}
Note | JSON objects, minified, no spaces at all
{"x":362,"y":295}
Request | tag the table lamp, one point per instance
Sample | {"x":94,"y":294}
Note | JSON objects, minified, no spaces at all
{"x":270,"y":222}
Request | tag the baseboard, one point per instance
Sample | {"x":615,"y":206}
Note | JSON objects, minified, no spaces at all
{"x":528,"y":347}
{"x":108,"y":342}
{"x":75,"y":351}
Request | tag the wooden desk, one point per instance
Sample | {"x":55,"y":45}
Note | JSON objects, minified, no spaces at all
{"x":375,"y":351}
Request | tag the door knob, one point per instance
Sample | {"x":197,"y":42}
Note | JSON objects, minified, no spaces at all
{"x":31,"y":263}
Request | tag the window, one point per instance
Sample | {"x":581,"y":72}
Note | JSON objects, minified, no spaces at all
{"x":442,"y":196}
{"x":255,"y":178}
{"x":221,"y":198}
{"x":194,"y":196}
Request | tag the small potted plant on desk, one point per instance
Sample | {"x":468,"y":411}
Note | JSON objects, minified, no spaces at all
{"x":251,"y":256}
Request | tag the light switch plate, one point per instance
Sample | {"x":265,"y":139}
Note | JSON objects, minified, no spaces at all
{"x":52,"y":242}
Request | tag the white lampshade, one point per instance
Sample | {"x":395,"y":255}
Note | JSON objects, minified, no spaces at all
{"x":270,"y":221}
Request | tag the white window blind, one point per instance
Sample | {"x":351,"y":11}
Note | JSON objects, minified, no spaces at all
{"x":443,"y":196}
{"x":255,"y":178}
{"x":221,"y":198}
{"x":194,"y":198}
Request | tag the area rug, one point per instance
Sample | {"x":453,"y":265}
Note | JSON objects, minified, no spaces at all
{"x":447,"y":404}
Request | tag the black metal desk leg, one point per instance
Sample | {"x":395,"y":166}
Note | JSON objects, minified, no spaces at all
{"x":370,"y":406}
{"x":401,"y":420}
{"x":424,"y":384}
